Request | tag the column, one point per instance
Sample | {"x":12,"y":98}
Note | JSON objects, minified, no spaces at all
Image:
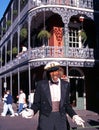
{"x":18,"y":81}
{"x":0,"y":89}
{"x":66,"y":40}
{"x":29,"y":73}
{"x":11,"y":83}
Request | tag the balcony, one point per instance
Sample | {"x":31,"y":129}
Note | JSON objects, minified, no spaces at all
{"x":74,"y":3}
{"x":45,"y":53}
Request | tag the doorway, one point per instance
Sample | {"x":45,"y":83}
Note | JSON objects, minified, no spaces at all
{"x":77,"y":89}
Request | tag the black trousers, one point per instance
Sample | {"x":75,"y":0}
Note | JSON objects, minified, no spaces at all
{"x":54,"y":121}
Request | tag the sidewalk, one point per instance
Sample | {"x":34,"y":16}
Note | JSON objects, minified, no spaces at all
{"x":19,"y":123}
{"x":91,"y":120}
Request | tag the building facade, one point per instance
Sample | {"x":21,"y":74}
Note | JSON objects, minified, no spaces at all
{"x":66,"y":31}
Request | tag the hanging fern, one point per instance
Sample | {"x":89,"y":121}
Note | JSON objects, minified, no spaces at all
{"x":8,"y":22}
{"x":43,"y":34}
{"x":83,"y":35}
{"x":15,"y":12}
{"x":23,"y":33}
{"x":14,"y":50}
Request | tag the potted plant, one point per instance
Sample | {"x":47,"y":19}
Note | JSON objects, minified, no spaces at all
{"x":23,"y":33}
{"x":44,"y":34}
{"x":15,"y":12}
{"x":82,"y":34}
{"x":14,"y":50}
{"x":8,"y":23}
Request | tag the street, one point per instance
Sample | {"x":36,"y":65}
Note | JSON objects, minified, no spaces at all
{"x":17,"y":122}
{"x":20,"y":123}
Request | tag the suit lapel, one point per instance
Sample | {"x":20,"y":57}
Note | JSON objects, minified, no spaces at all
{"x":48,"y":95}
{"x":47,"y":92}
{"x":63,"y":94}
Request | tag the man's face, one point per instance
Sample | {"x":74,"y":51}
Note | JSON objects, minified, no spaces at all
{"x":7,"y":92}
{"x":54,"y":75}
{"x":21,"y":91}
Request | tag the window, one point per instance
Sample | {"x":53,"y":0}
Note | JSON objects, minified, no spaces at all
{"x":73,"y":38}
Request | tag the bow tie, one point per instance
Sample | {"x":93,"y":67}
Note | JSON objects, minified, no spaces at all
{"x":52,"y":82}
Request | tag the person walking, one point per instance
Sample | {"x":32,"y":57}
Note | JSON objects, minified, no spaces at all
{"x":8,"y":100}
{"x":31,"y":98}
{"x":21,"y":102}
{"x":51,"y":99}
{"x":4,"y":103}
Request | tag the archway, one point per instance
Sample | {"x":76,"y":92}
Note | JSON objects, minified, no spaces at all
{"x":77,"y":88}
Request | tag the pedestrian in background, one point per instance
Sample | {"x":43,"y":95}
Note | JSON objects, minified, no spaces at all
{"x":31,"y":98}
{"x":62,"y":74}
{"x":21,"y":102}
{"x":4,"y":99}
{"x":8,"y":100}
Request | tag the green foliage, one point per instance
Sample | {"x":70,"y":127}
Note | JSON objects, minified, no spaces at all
{"x":14,"y":51}
{"x":43,"y":34}
{"x":3,"y":29}
{"x":8,"y":22}
{"x":15,"y":12}
{"x":83,"y":35}
{"x":23,"y":33}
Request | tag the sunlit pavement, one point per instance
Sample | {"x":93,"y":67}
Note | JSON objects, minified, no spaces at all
{"x":91,"y":120}
{"x":19,"y":123}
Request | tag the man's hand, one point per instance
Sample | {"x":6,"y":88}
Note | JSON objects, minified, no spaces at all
{"x":27,"y":113}
{"x":78,"y":120}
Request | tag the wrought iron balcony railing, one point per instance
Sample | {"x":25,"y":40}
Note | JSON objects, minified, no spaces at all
{"x":48,"y":52}
{"x":80,"y":3}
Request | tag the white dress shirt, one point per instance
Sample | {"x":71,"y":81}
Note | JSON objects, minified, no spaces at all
{"x":55,"y":91}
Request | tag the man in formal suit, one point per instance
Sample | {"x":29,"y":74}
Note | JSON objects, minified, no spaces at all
{"x":51,"y":99}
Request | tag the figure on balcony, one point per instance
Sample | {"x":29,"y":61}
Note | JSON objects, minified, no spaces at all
{"x":24,"y":49}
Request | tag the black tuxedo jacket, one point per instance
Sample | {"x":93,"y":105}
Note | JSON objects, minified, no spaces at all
{"x":42,"y":99}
